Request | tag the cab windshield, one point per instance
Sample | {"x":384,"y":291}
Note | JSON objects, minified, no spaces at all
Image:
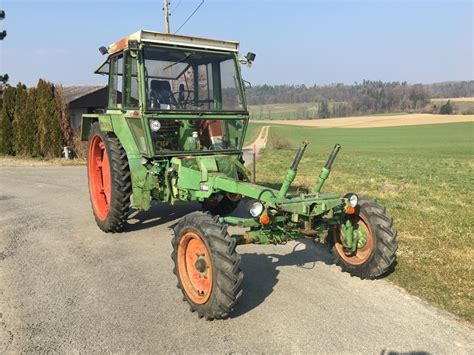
{"x":181,"y":79}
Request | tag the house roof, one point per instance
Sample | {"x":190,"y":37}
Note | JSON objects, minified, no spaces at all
{"x":72,"y":93}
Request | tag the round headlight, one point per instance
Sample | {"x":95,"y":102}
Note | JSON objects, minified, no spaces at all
{"x":256,"y":209}
{"x":155,"y":125}
{"x":353,"y":200}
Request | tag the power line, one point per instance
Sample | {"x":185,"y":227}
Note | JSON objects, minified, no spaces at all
{"x":189,"y":17}
{"x":177,"y":5}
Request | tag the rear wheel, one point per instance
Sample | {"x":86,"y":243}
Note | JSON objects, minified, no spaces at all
{"x":378,"y":256}
{"x":206,"y":265}
{"x":109,"y":180}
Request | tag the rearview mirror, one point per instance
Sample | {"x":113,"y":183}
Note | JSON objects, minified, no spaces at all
{"x":103,"y":50}
{"x":250,"y":57}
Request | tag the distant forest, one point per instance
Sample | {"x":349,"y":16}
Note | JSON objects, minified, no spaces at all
{"x":368,"y":97}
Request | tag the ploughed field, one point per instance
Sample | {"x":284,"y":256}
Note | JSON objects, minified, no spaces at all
{"x":423,"y":174}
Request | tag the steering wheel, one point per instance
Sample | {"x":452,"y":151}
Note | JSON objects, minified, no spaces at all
{"x":184,"y":100}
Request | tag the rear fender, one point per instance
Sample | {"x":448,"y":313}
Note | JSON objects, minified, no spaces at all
{"x":142,"y":182}
{"x":87,"y":121}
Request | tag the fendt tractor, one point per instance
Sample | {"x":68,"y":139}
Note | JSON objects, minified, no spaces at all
{"x":173,"y":131}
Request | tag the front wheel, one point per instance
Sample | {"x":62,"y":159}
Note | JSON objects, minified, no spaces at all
{"x":378,"y":255}
{"x":206,"y":265}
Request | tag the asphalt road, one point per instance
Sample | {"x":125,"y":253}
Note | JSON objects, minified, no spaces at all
{"x":66,"y":286}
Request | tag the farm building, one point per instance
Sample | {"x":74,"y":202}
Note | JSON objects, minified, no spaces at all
{"x":84,"y":99}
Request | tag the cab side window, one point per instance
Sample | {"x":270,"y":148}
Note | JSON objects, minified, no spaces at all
{"x":116,"y":82}
{"x":130,"y":89}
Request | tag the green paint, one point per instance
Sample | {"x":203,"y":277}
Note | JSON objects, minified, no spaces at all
{"x":322,"y":178}
{"x":289,"y":178}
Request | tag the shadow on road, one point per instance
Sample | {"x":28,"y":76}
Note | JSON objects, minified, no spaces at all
{"x":160,"y":213}
{"x":261,"y":271}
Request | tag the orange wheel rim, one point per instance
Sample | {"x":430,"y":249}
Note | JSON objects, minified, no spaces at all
{"x":195,"y":267}
{"x":99,"y":177}
{"x":361,"y":255}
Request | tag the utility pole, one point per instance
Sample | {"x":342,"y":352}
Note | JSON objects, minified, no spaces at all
{"x":3,"y":34}
{"x":3,"y":78}
{"x":167,"y":15}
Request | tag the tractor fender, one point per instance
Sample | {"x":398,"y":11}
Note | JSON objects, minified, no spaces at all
{"x":142,"y":182}
{"x":87,"y":121}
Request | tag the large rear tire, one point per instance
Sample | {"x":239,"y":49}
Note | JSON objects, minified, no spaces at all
{"x":378,"y":256}
{"x":206,"y":265}
{"x":109,"y":180}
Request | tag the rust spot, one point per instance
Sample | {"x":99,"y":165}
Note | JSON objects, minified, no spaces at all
{"x":119,"y":45}
{"x":134,"y":114}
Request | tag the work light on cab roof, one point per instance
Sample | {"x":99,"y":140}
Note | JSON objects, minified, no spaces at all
{"x":173,"y":131}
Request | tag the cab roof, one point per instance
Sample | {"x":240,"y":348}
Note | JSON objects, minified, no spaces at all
{"x":144,"y":36}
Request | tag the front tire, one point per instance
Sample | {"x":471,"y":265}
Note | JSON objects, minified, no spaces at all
{"x":110,"y":185}
{"x":378,"y":256}
{"x":206,"y":265}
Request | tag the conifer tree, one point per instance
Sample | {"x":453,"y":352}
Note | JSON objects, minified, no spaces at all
{"x":446,"y":109}
{"x":49,"y":121}
{"x":65,"y":120}
{"x":323,"y":111}
{"x":6,"y":120}
{"x":41,"y":113}
{"x":31,"y":127}
{"x":20,"y":122}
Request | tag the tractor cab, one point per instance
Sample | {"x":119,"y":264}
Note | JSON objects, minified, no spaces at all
{"x":179,"y":94}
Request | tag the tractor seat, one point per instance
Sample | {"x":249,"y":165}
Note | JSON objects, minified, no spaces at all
{"x":161,"y":91}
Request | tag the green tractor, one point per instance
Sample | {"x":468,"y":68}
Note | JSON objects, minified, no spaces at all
{"x":173,"y":131}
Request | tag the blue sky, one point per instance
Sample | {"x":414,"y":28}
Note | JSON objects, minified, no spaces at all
{"x":297,"y":42}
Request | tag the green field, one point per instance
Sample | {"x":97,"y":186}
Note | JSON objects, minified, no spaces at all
{"x":310,"y":110}
{"x":293,"y":111}
{"x":422,"y":174}
{"x":284,"y":111}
